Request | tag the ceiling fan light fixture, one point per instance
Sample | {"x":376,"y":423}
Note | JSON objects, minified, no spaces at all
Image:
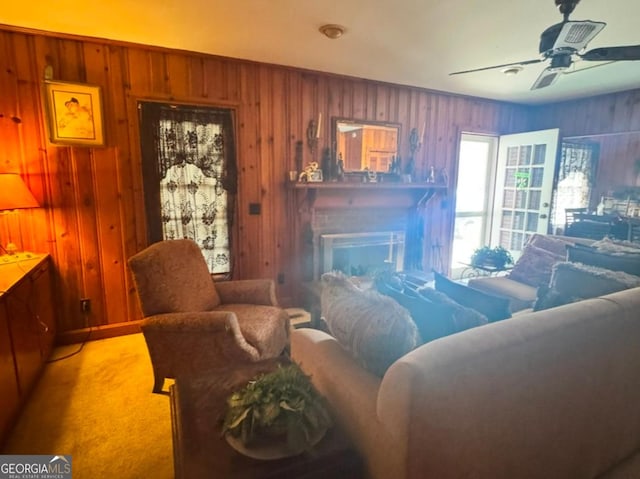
{"x":332,"y":31}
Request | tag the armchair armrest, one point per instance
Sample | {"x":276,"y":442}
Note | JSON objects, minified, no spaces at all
{"x":247,"y":291}
{"x":219,"y":330}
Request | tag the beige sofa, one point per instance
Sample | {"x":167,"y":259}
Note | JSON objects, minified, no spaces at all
{"x":548,"y":394}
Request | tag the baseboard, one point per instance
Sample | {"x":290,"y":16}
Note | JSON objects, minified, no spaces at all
{"x":98,"y":332}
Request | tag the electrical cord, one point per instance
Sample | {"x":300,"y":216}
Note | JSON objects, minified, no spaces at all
{"x":66,"y":356}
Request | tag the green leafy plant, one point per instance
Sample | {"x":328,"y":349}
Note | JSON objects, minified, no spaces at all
{"x":497,"y":257}
{"x":282,"y":403}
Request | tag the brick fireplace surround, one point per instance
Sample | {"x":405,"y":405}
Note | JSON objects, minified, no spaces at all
{"x":338,"y":208}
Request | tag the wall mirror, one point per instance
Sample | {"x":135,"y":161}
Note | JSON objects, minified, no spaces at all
{"x":365,"y":145}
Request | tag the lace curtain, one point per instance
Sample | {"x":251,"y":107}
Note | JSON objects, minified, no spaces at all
{"x":196,"y":179}
{"x":576,"y":177}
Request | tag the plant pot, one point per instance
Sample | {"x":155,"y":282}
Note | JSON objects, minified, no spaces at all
{"x":272,"y":446}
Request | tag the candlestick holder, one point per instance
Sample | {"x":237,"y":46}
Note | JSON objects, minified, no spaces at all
{"x":312,"y":137}
{"x":414,"y":141}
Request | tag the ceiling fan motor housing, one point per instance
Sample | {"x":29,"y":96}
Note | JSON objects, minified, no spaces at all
{"x":560,"y":62}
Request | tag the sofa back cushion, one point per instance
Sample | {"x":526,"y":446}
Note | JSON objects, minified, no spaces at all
{"x":495,"y":308}
{"x":627,"y":262}
{"x":461,"y":317}
{"x":374,"y":328}
{"x":571,"y":282}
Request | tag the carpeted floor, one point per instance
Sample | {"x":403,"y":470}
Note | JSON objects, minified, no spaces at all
{"x":97,"y":406}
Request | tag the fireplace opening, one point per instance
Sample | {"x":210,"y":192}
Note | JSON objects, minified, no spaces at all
{"x":362,"y":254}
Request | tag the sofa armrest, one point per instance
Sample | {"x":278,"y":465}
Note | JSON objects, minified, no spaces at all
{"x":247,"y":291}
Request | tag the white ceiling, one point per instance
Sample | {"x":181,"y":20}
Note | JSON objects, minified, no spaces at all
{"x":409,"y":42}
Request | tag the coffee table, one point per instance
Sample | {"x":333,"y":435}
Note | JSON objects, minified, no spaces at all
{"x":197,"y":409}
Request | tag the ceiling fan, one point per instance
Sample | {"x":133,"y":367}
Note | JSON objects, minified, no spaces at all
{"x":563,"y":42}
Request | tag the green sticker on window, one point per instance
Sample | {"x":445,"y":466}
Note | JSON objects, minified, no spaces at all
{"x":522,"y":179}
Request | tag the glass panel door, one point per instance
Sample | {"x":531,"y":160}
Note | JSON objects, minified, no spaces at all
{"x":526,"y":164}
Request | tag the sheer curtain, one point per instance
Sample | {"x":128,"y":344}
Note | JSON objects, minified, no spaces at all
{"x":195,"y":181}
{"x":576,"y":177}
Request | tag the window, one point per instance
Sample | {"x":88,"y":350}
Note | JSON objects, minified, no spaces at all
{"x":190,"y":177}
{"x":474,"y":197}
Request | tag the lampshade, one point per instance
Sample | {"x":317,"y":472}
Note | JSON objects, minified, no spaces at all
{"x":14,"y":194}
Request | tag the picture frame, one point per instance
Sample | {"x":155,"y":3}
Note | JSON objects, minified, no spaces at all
{"x":74,"y":113}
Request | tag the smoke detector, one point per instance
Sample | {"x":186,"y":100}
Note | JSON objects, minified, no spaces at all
{"x":332,"y":31}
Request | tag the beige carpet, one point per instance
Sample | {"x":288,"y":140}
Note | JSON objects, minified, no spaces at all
{"x":98,"y":407}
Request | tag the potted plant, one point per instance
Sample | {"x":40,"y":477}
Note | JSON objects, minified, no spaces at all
{"x":497,"y":257}
{"x":278,"y":414}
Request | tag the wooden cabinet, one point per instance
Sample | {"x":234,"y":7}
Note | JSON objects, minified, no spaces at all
{"x":9,"y":395}
{"x":27,"y":332}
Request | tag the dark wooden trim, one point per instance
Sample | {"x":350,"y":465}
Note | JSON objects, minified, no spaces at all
{"x":100,"y":332}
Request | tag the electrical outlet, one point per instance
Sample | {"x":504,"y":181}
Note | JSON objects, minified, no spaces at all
{"x":85,"y":305}
{"x":255,"y":208}
{"x":280,"y":278}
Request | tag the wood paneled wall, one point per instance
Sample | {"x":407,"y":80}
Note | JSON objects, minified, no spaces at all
{"x":611,"y":120}
{"x":92,"y":217}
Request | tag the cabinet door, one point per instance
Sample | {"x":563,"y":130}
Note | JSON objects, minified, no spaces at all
{"x":25,"y":332}
{"x":9,"y":397}
{"x":43,"y":308}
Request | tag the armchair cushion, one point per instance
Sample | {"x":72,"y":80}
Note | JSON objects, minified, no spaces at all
{"x":172,"y":277}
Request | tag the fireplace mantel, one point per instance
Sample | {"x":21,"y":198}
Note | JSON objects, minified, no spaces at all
{"x":368,"y":195}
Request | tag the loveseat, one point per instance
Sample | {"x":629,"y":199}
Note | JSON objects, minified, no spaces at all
{"x":547,"y":394}
{"x":532,"y":269}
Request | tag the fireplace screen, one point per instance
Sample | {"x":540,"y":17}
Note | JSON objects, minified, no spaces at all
{"x":362,"y":254}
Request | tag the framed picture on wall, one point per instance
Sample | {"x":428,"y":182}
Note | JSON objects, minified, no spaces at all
{"x":74,"y":113}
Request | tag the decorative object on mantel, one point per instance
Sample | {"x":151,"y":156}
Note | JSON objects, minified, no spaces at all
{"x":313,"y":134}
{"x":312,"y":141}
{"x":312,"y":173}
{"x":327,"y":165}
{"x":298,"y":157}
{"x":443,"y":177}
{"x":279,"y":414}
{"x":431,"y":178}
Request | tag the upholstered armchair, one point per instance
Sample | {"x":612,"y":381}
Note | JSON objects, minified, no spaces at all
{"x":192,"y":324}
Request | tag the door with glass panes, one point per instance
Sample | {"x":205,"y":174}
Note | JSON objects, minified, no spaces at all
{"x":524,"y":183}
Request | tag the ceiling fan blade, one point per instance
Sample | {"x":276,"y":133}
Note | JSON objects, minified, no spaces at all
{"x":576,"y":34}
{"x":631,"y":52}
{"x":546,"y":78}
{"x":526,"y":62}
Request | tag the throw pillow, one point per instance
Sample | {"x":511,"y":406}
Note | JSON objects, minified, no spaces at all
{"x":495,"y":308}
{"x":573,"y":281}
{"x":554,"y":244}
{"x":534,"y":266}
{"x":460,"y":316}
{"x":374,"y":328}
{"x":627,"y":262}
{"x":433,"y":320}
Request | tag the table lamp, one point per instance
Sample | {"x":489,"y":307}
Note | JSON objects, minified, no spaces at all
{"x":14,"y":195}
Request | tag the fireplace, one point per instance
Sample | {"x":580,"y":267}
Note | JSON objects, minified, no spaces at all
{"x":362,"y":254}
{"x":358,"y":228}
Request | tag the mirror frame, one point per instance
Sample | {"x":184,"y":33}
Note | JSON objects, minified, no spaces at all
{"x":335,"y":121}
